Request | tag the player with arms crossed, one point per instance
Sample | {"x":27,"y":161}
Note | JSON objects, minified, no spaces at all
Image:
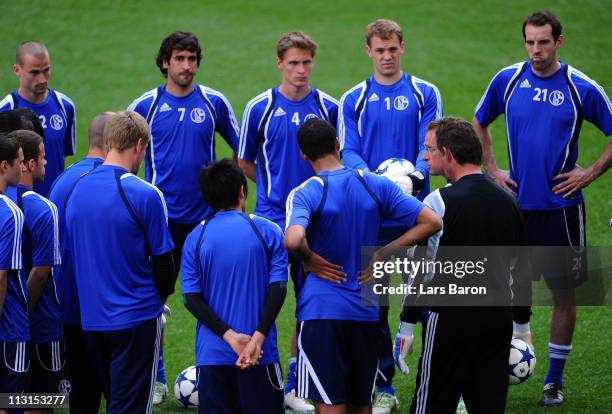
{"x":269,"y":152}
{"x":234,"y":281}
{"x":330,"y":217}
{"x":183,"y":117}
{"x":41,"y":253}
{"x":55,"y":110}
{"x":382,"y":117}
{"x":545,"y":102}
{"x":14,"y":329}
{"x":85,"y":393}
{"x":121,"y":293}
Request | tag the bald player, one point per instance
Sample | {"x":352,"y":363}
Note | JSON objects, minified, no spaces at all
{"x":55,"y":110}
{"x":86,"y":392}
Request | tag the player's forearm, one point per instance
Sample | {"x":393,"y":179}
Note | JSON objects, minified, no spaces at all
{"x":204,"y":313}
{"x":164,"y":273}
{"x":3,"y":288}
{"x":274,"y":303}
{"x":353,"y":159}
{"x":296,"y":244}
{"x":486,"y":141}
{"x":249,"y":168}
{"x":427,"y":224}
{"x":603,"y":163}
{"x":37,"y":279}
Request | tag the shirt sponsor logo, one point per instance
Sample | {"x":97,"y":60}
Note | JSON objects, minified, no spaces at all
{"x":525,"y":84}
{"x":197,"y":115}
{"x":310,"y":116}
{"x":165,"y":108}
{"x":56,"y":121}
{"x":373,"y":98}
{"x":556,"y":98}
{"x":279,"y":112}
{"x":400,"y":103}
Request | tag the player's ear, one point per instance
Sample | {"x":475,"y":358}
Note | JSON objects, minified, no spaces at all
{"x":560,"y":41}
{"x":16,"y":68}
{"x":278,"y":62}
{"x":304,"y":157}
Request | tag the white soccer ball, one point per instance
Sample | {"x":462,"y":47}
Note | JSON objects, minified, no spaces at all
{"x":522,"y":361}
{"x":186,"y":388}
{"x":397,"y":170}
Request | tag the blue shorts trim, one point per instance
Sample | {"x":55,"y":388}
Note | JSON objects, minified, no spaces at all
{"x":14,"y":367}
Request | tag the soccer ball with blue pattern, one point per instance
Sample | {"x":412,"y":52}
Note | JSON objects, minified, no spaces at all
{"x":397,"y":170}
{"x":186,"y":388}
{"x":522,"y":361}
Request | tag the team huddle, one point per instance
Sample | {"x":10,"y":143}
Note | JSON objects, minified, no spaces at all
{"x":90,"y":254}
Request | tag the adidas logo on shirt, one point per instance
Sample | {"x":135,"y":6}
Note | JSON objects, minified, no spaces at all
{"x":525,"y":84}
{"x":165,"y":107}
{"x":373,"y":98}
{"x":279,"y":112}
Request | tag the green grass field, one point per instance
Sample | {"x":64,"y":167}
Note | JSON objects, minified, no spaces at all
{"x":103,"y":57}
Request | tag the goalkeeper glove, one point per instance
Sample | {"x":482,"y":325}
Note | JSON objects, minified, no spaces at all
{"x":404,"y":340}
{"x":418,"y":181}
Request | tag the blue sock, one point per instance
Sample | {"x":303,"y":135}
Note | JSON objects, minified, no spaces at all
{"x":291,"y":375}
{"x":389,"y":389}
{"x":161,"y":369}
{"x":558,"y":357}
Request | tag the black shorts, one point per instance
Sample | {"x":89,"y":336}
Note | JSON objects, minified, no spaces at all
{"x":14,"y":367}
{"x":560,"y":256}
{"x":48,"y":372}
{"x":337,"y":361}
{"x":227,"y":389}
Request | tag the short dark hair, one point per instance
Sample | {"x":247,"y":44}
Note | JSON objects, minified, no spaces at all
{"x":22,"y":118}
{"x":317,"y":138}
{"x":299,"y":40}
{"x":9,"y":148}
{"x":459,"y":137}
{"x":542,"y":18}
{"x":177,"y":41}
{"x":30,"y":142}
{"x":220,"y":184}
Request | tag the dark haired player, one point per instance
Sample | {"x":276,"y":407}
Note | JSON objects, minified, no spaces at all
{"x":234,"y":281}
{"x":14,"y":329}
{"x":330,"y":217}
{"x":183,"y":117}
{"x":41,"y":253}
{"x":545,"y":102}
{"x":56,"y":111}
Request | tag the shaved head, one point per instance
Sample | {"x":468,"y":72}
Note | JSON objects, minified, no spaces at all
{"x":32,"y":48}
{"x":96,"y":131}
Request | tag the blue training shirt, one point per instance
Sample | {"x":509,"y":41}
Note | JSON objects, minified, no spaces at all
{"x":342,"y":211}
{"x":40,"y":247}
{"x":238,"y":257}
{"x":378,"y":122}
{"x":182,"y":142}
{"x":57,"y":115}
{"x":14,"y":320}
{"x":543,"y":120}
{"x":269,"y":135}
{"x":64,"y":273}
{"x":112,"y":244}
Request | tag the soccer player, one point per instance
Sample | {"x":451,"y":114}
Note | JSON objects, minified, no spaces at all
{"x":547,"y":99}
{"x":183,"y":117}
{"x":41,"y":253}
{"x":14,"y":329}
{"x":330,"y":217}
{"x":234,"y":281}
{"x":382,"y":117}
{"x":475,"y":212}
{"x":55,"y":110}
{"x":118,"y":237}
{"x":269,"y":152}
{"x":85,"y":394}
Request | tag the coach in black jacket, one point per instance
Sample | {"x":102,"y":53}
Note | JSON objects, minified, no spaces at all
{"x":466,"y":340}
